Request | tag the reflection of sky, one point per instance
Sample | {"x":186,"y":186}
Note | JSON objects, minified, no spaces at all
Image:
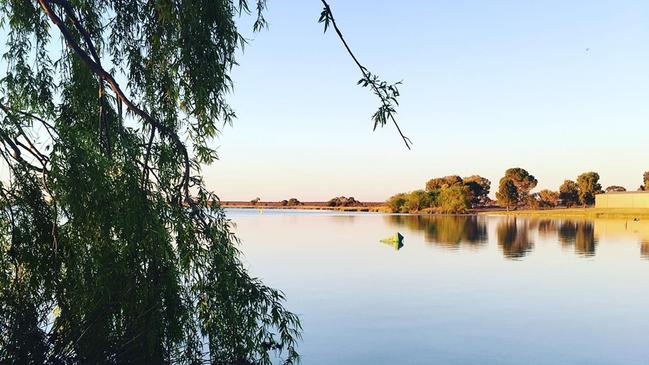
{"x":363,"y":302}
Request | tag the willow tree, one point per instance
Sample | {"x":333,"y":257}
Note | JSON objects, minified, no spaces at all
{"x":113,"y":249}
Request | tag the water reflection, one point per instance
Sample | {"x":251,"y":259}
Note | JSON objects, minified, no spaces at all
{"x":461,"y":289}
{"x":514,"y":238}
{"x":547,"y":227}
{"x":581,"y":234}
{"x":446,"y":231}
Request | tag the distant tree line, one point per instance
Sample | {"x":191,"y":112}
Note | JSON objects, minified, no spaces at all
{"x":448,"y":194}
{"x":514,"y":191}
{"x":453,"y":194}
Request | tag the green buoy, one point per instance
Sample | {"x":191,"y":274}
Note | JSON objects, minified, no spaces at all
{"x":395,"y":240}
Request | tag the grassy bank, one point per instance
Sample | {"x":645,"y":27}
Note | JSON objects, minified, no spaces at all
{"x":622,"y":213}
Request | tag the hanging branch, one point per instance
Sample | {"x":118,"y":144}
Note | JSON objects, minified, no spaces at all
{"x":104,"y":75}
{"x":387,"y":93}
{"x":103,"y":126}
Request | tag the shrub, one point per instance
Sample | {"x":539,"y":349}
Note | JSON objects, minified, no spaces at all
{"x":615,"y":188}
{"x":548,"y":198}
{"x":342,"y":201}
{"x":416,"y":200}
{"x":455,"y":199}
{"x":396,"y":202}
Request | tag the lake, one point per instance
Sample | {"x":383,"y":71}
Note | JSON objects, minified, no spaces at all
{"x":461,"y":290}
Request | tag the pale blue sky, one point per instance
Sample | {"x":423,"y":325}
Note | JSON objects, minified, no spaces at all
{"x":487,"y":85}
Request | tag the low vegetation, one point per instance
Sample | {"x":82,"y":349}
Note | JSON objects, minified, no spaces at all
{"x":615,"y":189}
{"x":342,"y":201}
{"x":293,"y":202}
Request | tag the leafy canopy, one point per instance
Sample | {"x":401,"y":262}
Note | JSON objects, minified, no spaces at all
{"x":589,"y":186}
{"x":569,"y":193}
{"x":113,"y":250}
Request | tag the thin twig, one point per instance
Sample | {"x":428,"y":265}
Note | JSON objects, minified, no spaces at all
{"x":366,"y":74}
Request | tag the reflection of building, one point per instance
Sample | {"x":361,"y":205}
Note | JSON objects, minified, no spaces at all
{"x":624,"y":199}
{"x":622,"y":228}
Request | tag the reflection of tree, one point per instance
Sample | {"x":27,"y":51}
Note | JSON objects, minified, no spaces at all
{"x":567,"y":232}
{"x":475,"y":231}
{"x":514,"y":238}
{"x":547,"y":227}
{"x":585,"y":241}
{"x":579,"y":233}
{"x":644,"y":249}
{"x":447,"y":231}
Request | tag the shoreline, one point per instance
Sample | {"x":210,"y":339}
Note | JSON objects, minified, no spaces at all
{"x":591,"y":213}
{"x":374,"y":207}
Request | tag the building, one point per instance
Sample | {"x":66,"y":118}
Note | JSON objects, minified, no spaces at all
{"x":624,"y":199}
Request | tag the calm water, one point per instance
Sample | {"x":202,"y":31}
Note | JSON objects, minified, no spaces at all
{"x":462,"y":290}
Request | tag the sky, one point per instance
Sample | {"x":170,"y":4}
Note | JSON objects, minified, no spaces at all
{"x":555,"y":87}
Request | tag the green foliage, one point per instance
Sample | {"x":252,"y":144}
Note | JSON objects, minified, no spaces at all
{"x":569,"y":193}
{"x":455,"y":199}
{"x":615,"y":188}
{"x":507,"y":194}
{"x":548,"y":198}
{"x":293,"y":202}
{"x":533,"y":201}
{"x":588,"y":185}
{"x":479,"y":187}
{"x":396,"y":202}
{"x":109,"y":257}
{"x":411,"y":202}
{"x":443,"y":183}
{"x":523,"y":181}
{"x":416,"y":201}
{"x":342,"y":201}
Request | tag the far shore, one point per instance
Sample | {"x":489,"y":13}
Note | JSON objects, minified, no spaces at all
{"x":379,"y":207}
{"x":620,"y":213}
